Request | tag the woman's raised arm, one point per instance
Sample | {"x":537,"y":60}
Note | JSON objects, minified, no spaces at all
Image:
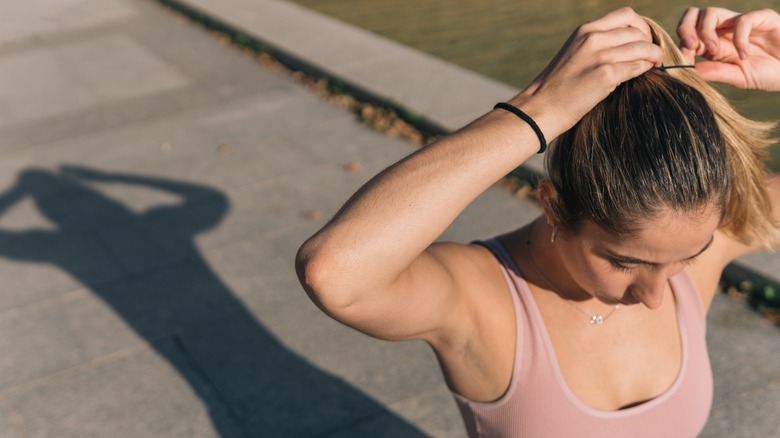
{"x":373,"y":267}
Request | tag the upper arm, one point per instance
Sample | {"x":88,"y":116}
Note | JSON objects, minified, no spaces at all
{"x":430,"y":300}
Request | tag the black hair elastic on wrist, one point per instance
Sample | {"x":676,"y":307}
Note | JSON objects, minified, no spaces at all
{"x":527,"y":119}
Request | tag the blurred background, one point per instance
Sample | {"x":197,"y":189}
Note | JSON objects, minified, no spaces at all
{"x":511,"y":40}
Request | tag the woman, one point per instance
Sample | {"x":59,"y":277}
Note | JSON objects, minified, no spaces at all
{"x":590,"y":319}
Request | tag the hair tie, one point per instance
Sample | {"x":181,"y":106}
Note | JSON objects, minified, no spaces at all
{"x":526,"y":118}
{"x":670,"y":67}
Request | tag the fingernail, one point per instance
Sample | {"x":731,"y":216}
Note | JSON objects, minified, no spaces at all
{"x":742,"y":54}
{"x":689,"y":43}
{"x":711,"y":46}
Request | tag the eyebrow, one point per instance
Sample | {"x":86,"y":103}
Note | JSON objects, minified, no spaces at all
{"x":635,"y":261}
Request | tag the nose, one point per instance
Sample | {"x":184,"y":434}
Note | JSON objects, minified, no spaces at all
{"x":649,"y":289}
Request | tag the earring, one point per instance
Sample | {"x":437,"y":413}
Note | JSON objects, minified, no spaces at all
{"x":554,"y":233}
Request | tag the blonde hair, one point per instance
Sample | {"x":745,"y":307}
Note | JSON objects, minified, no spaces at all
{"x":664,"y":139}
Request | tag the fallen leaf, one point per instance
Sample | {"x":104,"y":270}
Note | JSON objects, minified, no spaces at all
{"x":225,"y":148}
{"x":312,"y":215}
{"x":352,"y":167}
{"x":733,"y":292}
{"x":523,"y":191}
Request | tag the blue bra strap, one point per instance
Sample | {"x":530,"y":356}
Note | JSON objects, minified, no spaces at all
{"x":498,"y":250}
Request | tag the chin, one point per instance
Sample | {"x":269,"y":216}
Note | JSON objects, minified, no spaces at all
{"x":628,"y":300}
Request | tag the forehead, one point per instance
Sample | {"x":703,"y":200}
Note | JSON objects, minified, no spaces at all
{"x":669,"y":237}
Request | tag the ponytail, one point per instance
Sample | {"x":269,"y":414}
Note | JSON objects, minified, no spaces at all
{"x":748,"y":213}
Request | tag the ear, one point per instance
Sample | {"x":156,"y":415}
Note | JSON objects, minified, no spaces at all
{"x":548,"y":197}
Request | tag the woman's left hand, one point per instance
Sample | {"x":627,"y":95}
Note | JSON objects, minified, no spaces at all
{"x":742,"y":50}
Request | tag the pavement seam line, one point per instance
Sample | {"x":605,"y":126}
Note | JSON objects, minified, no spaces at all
{"x":98,"y":361}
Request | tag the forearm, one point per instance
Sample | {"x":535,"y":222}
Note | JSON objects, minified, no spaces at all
{"x":400,"y":212}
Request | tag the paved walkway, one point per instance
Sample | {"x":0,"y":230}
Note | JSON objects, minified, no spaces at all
{"x":152,"y":189}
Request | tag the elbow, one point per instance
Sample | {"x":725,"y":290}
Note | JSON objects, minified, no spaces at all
{"x":320,"y":277}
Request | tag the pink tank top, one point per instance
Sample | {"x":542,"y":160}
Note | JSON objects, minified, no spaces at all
{"x":538,"y":402}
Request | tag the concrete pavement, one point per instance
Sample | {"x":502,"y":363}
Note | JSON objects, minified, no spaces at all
{"x":152,"y":194}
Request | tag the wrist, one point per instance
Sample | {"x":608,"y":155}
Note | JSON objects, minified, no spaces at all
{"x":527,"y":119}
{"x":544,"y":114}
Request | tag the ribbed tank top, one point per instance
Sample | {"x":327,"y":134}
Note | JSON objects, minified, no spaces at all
{"x":538,"y":402}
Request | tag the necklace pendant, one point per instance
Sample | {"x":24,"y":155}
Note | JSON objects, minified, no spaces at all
{"x":597,"y":319}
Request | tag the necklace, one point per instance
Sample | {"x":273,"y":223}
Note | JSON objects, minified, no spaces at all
{"x":594,"y":319}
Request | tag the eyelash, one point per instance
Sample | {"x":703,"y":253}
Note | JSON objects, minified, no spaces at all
{"x":622,"y":268}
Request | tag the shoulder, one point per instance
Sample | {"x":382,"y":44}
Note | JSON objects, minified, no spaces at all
{"x":479,"y":279}
{"x":477,"y":353}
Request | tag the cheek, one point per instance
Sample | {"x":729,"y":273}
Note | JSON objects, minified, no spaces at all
{"x":595,"y":275}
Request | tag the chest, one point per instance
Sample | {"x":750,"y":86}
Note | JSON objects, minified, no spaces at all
{"x":635,"y":356}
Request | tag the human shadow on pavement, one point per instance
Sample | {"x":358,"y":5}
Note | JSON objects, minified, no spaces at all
{"x":163,"y":288}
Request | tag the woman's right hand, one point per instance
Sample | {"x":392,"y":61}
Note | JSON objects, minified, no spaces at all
{"x":596,"y":58}
{"x":742,"y":50}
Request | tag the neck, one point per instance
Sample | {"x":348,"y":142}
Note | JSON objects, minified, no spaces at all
{"x":548,"y":268}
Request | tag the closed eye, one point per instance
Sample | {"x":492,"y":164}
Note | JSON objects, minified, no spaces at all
{"x":618,"y":266}
{"x":690,"y":261}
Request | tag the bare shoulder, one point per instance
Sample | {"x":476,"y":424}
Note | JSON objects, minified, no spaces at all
{"x":478,"y":281}
{"x":477,"y":353}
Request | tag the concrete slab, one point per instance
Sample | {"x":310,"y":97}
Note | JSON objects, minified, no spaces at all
{"x":34,"y":18}
{"x":190,"y":50}
{"x":752,"y":415}
{"x":50,"y":81}
{"x":33,"y":349}
{"x":7,"y":427}
{"x":274,"y":390}
{"x":382,"y":425}
{"x":434,"y":412}
{"x":744,"y":355}
{"x":43,"y":264}
{"x":764,"y":263}
{"x":49,"y":336}
{"x":165,"y":301}
{"x":133,"y":393}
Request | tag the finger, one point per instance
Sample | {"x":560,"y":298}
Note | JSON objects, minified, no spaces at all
{"x":633,"y":51}
{"x":634,"y":68}
{"x":711,"y":20}
{"x":745,"y":24}
{"x":708,"y":21}
{"x":689,"y":55}
{"x":721,"y":72}
{"x":623,"y":17}
{"x":742,"y":27}
{"x":686,"y":29}
{"x":601,"y":40}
